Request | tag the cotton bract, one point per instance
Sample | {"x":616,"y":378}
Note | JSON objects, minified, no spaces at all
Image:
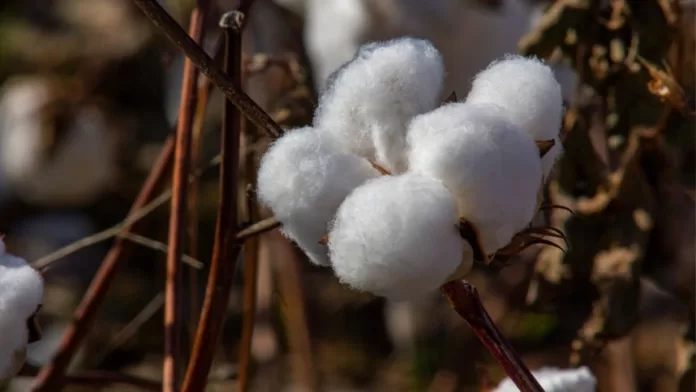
{"x":396,"y":236}
{"x":371,"y":99}
{"x":303,"y":179}
{"x":21,"y":292}
{"x":527,"y":89}
{"x":491,"y":166}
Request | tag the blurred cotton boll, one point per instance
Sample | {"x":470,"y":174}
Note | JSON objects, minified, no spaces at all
{"x":370,"y":100}
{"x":527,"y":89}
{"x":557,"y":380}
{"x":491,"y":166}
{"x":397,"y":237}
{"x":53,"y":153}
{"x":303,"y":178}
{"x":21,"y":293}
{"x":470,"y":34}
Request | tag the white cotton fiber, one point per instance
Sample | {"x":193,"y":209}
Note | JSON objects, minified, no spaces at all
{"x":21,"y":292}
{"x":370,"y":100}
{"x":490,"y":165}
{"x":397,"y":237}
{"x":527,"y":89}
{"x":303,"y":179}
{"x":557,"y":380}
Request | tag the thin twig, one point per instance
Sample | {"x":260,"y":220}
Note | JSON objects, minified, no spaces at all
{"x":177,"y":221}
{"x":162,"y":247}
{"x":259,"y":227}
{"x":224,"y":82}
{"x":465,"y":300}
{"x":145,"y":314}
{"x":226,"y":247}
{"x":51,"y":377}
{"x":45,"y":262}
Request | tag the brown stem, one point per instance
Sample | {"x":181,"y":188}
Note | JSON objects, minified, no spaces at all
{"x":51,"y":377}
{"x":465,"y":300}
{"x":226,"y":247}
{"x":251,"y":252}
{"x":177,"y":219}
{"x":224,"y":82}
{"x":289,"y":276}
{"x":193,"y":278}
{"x":251,"y":246}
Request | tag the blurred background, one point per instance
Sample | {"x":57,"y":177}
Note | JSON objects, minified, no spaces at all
{"x":89,"y":91}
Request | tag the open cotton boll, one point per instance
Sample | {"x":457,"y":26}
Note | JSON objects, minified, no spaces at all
{"x":557,"y":380}
{"x":303,"y":179}
{"x":527,"y":89}
{"x":371,"y":99}
{"x":396,"y":236}
{"x":21,"y":292}
{"x":491,"y":166}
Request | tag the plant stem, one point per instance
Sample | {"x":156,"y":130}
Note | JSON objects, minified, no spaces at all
{"x":177,"y":219}
{"x":226,"y":247}
{"x":465,"y":300}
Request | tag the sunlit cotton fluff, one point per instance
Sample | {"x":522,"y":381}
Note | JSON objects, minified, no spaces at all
{"x":303,"y":179}
{"x":21,"y":292}
{"x":397,"y":237}
{"x":491,"y":166}
{"x":371,"y":99}
{"x":557,"y":380}
{"x":527,"y":89}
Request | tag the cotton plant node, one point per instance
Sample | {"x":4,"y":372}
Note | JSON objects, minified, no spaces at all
{"x":21,"y":293}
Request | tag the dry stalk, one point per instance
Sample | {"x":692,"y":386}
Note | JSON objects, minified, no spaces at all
{"x":177,"y":221}
{"x":226,"y":247}
{"x":465,"y":300}
{"x":251,"y":246}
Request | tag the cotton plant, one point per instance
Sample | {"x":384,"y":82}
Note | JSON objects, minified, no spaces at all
{"x":21,"y":293}
{"x":400,"y":193}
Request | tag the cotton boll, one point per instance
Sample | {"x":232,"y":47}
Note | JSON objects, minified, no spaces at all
{"x":490,"y":165}
{"x":370,"y":100}
{"x":527,"y":89}
{"x":557,"y":380}
{"x":396,"y":236}
{"x":303,"y":179}
{"x":21,"y":292}
{"x":54,"y":157}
